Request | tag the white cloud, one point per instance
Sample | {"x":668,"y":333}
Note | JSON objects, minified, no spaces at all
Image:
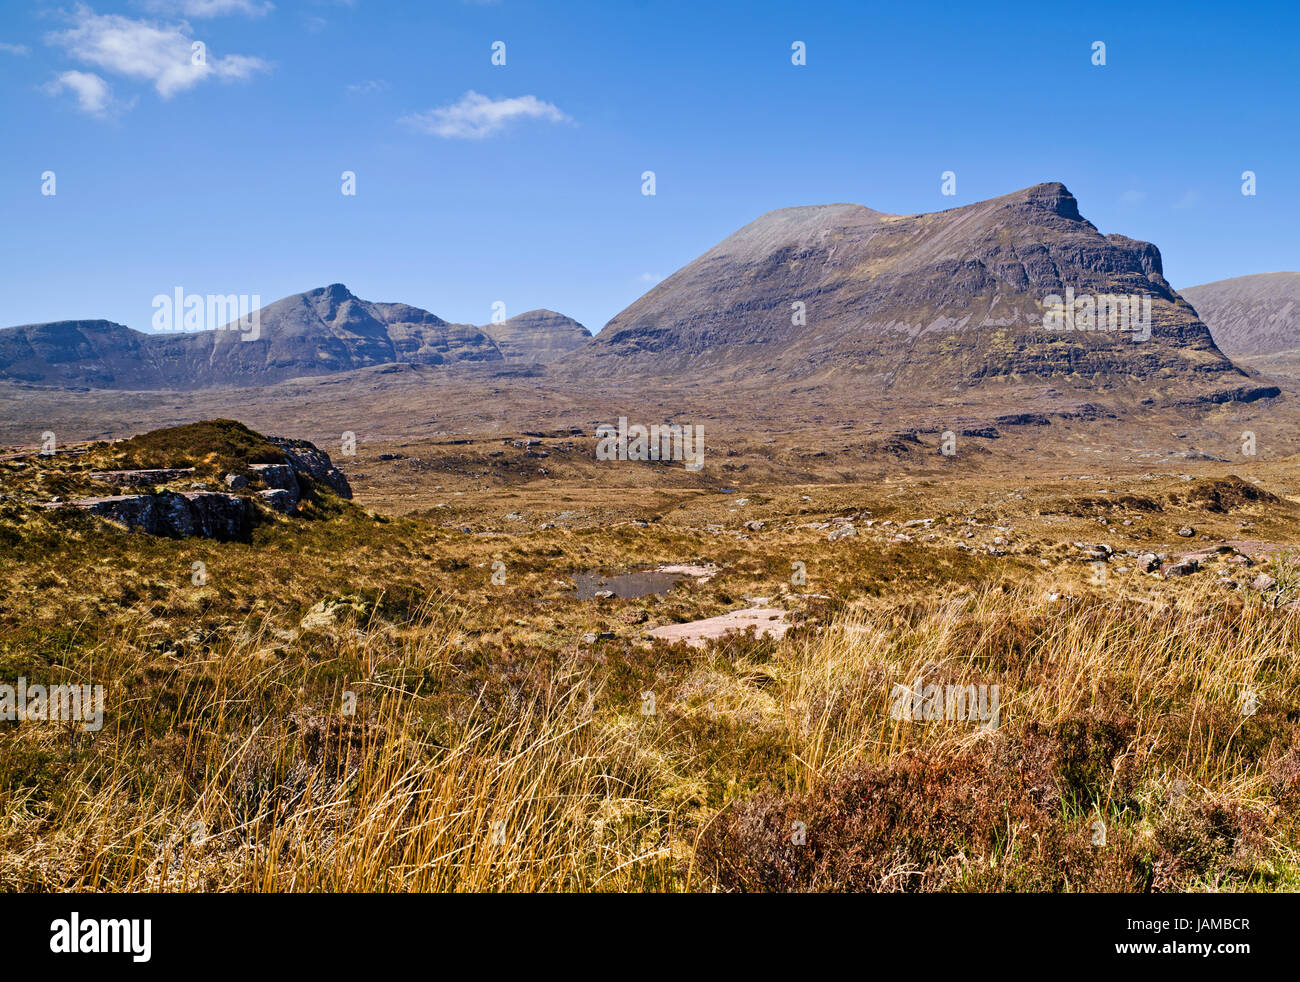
{"x":157,"y":53}
{"x":13,"y":49}
{"x":476,"y":116}
{"x":370,"y":85}
{"x":649,"y":277}
{"x":209,"y":8}
{"x":1132,"y":197}
{"x":94,"y":95}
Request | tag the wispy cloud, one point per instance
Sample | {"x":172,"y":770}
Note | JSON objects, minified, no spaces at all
{"x":160,"y":54}
{"x":209,"y":8}
{"x":370,"y":85}
{"x":13,"y":49}
{"x":476,"y":116}
{"x":649,"y":278}
{"x":1132,"y":197}
{"x":94,"y":95}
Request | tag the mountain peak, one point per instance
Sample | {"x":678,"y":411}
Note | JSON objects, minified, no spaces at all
{"x":1054,"y":197}
{"x":540,"y":336}
{"x":336,"y":292}
{"x":921,"y":304}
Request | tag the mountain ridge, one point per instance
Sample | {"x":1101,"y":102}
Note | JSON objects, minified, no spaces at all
{"x":317,"y":332}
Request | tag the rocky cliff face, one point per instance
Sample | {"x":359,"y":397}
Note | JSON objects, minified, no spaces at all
{"x":1251,"y":315}
{"x":314,"y":333}
{"x":541,"y":336}
{"x":912,"y":304}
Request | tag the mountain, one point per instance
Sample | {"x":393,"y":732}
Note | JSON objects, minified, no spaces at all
{"x":541,"y":336}
{"x":911,"y":303}
{"x":93,"y":353}
{"x":1251,"y":315}
{"x":319,"y":332}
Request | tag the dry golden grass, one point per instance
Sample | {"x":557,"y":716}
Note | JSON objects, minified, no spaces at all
{"x":492,"y":748}
{"x":254,"y":780}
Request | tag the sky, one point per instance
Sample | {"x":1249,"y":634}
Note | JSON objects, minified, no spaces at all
{"x":521,"y":183}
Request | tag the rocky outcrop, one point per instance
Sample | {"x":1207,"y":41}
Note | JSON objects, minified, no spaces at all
{"x":306,"y":458}
{"x":142,"y":478}
{"x":175,"y":514}
{"x":280,"y":499}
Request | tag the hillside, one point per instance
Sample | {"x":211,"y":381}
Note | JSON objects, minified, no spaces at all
{"x":916,"y":305}
{"x":1251,"y":315}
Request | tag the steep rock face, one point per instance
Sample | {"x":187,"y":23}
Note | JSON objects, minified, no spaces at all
{"x":1251,"y":315}
{"x":541,"y":336}
{"x":913,"y":304}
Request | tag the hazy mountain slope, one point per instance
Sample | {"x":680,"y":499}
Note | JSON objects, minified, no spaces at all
{"x":915,"y":303}
{"x":329,"y":330}
{"x":537,"y":336}
{"x":94,"y":353}
{"x":1251,"y":315}
{"x":319,"y":332}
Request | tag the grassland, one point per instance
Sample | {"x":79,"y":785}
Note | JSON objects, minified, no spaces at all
{"x":352,"y":700}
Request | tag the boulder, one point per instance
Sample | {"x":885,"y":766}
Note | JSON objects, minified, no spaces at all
{"x":1185,"y":567}
{"x":283,"y":486}
{"x":279,"y":499}
{"x":307,"y":458}
{"x":1262,"y":582}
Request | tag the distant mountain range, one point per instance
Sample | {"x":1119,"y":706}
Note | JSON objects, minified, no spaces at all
{"x":910,"y":307}
{"x":1251,"y":315}
{"x":314,"y":333}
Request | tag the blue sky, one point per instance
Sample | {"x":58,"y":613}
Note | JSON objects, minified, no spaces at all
{"x":521,"y":183}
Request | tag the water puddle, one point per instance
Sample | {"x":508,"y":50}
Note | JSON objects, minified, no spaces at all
{"x":626,"y":585}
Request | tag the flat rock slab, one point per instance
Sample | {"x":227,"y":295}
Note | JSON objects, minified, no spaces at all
{"x":139,"y":478}
{"x":768,"y":621}
{"x":700,"y":573}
